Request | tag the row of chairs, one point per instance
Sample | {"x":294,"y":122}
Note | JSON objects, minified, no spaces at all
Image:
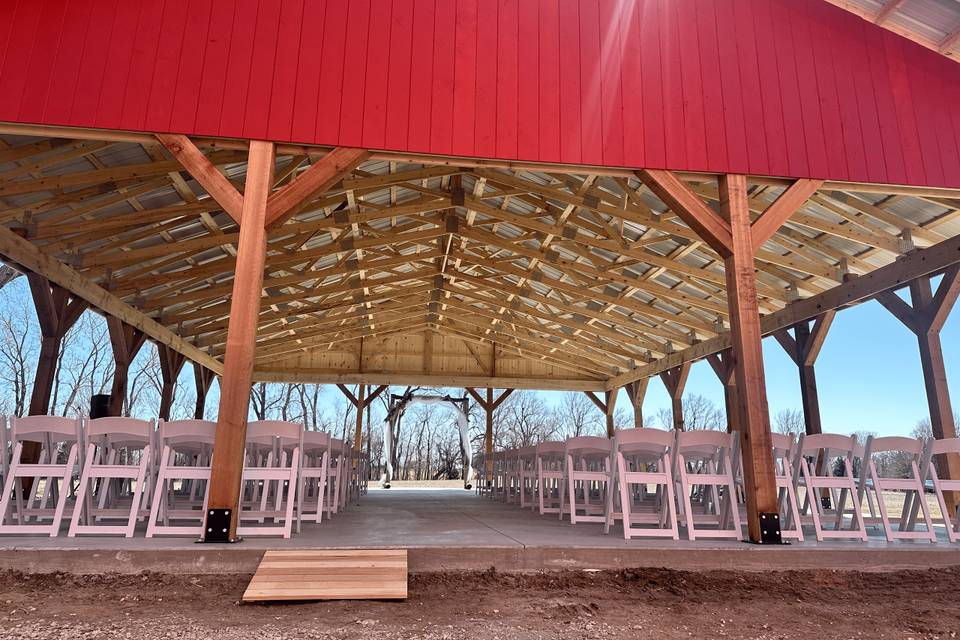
{"x":656,"y":482}
{"x":105,"y":475}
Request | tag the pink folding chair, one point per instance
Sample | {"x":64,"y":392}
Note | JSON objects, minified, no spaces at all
{"x":786,"y":463}
{"x":588,"y":478}
{"x":550,"y":463}
{"x":641,"y":459}
{"x":510,"y":475}
{"x":947,"y":446}
{"x":5,"y":451}
{"x":314,"y":475}
{"x":703,"y":469}
{"x":335,"y":476}
{"x":910,"y":451}
{"x":278,"y":478}
{"x":527,"y":476}
{"x":820,"y":454}
{"x":183,"y":476}
{"x":56,"y":435}
{"x":116,"y":469}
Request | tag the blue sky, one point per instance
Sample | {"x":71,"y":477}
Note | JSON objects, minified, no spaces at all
{"x":868,"y":374}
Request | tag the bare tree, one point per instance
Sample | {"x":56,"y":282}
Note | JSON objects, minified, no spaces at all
{"x":18,"y":355}
{"x":577,"y":416}
{"x":789,"y":422}
{"x":523,"y":420}
{"x":699,"y":413}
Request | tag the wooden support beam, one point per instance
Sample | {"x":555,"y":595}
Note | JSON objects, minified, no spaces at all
{"x":227,"y":464}
{"x":924,"y":316}
{"x":171,"y":364}
{"x":610,"y":400}
{"x":57,"y":311}
{"x":600,"y":404}
{"x":204,"y":379}
{"x":723,"y":365}
{"x":358,"y":431}
{"x":803,"y":347}
{"x":922,"y":262}
{"x":675,"y":380}
{"x":349,"y":395}
{"x":321,"y":176}
{"x":636,"y":391}
{"x":792,"y":198}
{"x":675,"y":193}
{"x":126,"y":341}
{"x":17,"y":250}
{"x":886,"y":10}
{"x":758,"y":469}
{"x":489,"y":405}
{"x":203,"y":171}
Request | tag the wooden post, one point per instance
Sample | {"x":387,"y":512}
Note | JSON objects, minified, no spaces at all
{"x":358,"y":431}
{"x":675,"y":380}
{"x":804,"y":347}
{"x":488,"y":435}
{"x":57,"y":312}
{"x":203,"y":378}
{"x":489,"y":405}
{"x":737,"y":239}
{"x":171,"y":362}
{"x":636,"y":391}
{"x":257,"y":209}
{"x":610,"y":400}
{"x":925,"y":317}
{"x":758,"y":472}
{"x":723,"y":365}
{"x":360,"y":402}
{"x":227,"y":464}
{"x":126,"y":341}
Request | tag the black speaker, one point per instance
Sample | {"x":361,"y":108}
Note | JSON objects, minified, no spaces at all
{"x":99,"y":405}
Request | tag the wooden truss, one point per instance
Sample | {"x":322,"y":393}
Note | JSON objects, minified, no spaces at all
{"x":270,"y":262}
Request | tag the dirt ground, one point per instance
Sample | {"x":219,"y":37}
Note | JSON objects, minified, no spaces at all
{"x":627,"y":604}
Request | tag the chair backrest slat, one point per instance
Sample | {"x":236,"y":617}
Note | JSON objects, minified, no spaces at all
{"x":28,"y":427}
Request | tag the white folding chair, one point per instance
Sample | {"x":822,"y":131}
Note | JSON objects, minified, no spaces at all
{"x":527,"y":476}
{"x":60,"y":439}
{"x":703,"y":469}
{"x":910,"y":451}
{"x":588,"y":474}
{"x":183,"y":468}
{"x":117,"y":468}
{"x":550,"y":463}
{"x":641,"y":459}
{"x":314,"y":475}
{"x":820,"y":454}
{"x":279,"y":477}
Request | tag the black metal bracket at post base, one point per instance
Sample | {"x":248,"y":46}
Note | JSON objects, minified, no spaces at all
{"x":770,"y":528}
{"x":217,"y":527}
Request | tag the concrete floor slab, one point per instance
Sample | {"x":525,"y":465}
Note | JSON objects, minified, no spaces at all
{"x":452,"y":529}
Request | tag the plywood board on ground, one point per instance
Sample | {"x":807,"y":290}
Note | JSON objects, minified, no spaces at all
{"x":330,"y":574}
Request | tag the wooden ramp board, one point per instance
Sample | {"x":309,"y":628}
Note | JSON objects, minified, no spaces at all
{"x":330,"y":574}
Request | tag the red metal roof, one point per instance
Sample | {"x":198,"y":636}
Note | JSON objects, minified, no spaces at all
{"x":770,"y":87}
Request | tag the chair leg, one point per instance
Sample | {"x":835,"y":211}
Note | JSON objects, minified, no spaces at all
{"x":82,"y":490}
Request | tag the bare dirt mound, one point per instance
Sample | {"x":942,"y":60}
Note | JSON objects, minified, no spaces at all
{"x":625,"y":604}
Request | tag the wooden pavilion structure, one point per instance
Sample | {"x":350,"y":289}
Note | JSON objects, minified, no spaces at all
{"x":575,"y":196}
